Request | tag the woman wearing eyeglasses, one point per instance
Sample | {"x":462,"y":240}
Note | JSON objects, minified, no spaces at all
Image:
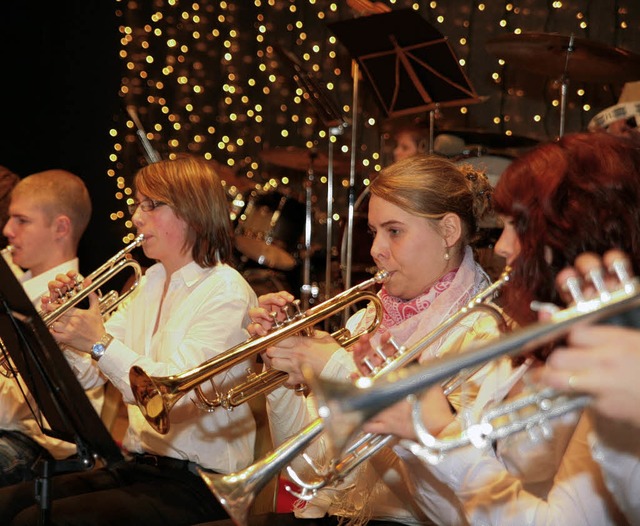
{"x":190,"y":306}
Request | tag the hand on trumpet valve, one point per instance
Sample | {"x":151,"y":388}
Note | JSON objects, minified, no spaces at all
{"x":78,"y":328}
{"x":370,"y":359}
{"x":291,"y":354}
{"x":593,"y":276}
{"x":272,"y":309}
{"x":61,"y":289}
{"x":601,"y":360}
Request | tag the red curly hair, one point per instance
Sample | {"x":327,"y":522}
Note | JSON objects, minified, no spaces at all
{"x":580,"y":193}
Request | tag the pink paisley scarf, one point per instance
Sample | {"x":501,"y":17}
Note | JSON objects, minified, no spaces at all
{"x":409,"y":321}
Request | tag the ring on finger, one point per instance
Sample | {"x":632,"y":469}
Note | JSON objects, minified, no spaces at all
{"x":573,"y":382}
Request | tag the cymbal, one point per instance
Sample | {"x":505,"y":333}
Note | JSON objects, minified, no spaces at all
{"x":493,"y":140}
{"x":302,"y":159}
{"x":546,"y":54}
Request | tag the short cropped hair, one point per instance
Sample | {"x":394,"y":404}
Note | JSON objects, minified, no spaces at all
{"x":58,"y":192}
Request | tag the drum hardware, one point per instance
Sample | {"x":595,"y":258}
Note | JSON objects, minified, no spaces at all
{"x":268,"y":229}
{"x":566,"y":58}
{"x":299,"y":159}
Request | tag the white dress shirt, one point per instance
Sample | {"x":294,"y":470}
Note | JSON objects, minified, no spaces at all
{"x":616,"y":448}
{"x":203,"y":313}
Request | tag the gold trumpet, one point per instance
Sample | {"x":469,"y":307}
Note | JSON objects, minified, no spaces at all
{"x":156,"y":396}
{"x":237,"y":491}
{"x":108,"y":302}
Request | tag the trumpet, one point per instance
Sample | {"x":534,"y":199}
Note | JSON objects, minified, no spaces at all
{"x":109,"y":301}
{"x":237,"y":491}
{"x":359,"y":402}
{"x":156,"y":396}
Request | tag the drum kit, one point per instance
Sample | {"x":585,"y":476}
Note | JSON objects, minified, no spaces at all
{"x":270,"y":222}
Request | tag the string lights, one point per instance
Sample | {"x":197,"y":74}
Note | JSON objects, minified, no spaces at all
{"x":205,"y":78}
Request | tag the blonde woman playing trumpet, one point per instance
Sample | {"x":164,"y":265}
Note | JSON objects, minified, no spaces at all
{"x":423,"y":214}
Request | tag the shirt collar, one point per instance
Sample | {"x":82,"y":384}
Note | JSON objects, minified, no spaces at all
{"x":189,"y":274}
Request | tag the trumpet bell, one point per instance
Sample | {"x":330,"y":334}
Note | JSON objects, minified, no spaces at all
{"x":153,"y":397}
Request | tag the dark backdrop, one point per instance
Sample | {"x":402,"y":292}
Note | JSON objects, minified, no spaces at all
{"x":59,"y":86}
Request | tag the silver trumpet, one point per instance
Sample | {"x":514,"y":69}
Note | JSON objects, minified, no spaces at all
{"x":355,"y":404}
{"x":237,"y":491}
{"x":156,"y":396}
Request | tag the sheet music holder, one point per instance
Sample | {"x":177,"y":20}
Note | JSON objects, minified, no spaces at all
{"x":326,"y":109}
{"x":409,"y":63}
{"x":44,"y":370}
{"x":329,"y":113}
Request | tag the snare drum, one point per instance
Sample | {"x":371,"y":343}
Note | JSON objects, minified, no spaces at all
{"x":270,"y":228}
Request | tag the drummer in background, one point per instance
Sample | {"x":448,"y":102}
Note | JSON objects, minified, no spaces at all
{"x":423,"y":214}
{"x":189,"y":307}
{"x":411,"y":139}
{"x":623,"y":119}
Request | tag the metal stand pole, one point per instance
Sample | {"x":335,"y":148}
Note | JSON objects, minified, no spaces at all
{"x":352,"y":182}
{"x":564,"y":86}
{"x":305,"y":290}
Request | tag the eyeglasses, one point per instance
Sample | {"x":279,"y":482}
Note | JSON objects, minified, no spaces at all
{"x":146,"y":205}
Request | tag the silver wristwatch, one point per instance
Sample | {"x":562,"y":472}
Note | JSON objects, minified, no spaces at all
{"x":100,"y":346}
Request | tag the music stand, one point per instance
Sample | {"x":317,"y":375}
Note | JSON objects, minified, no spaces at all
{"x":60,"y":398}
{"x":411,"y":68}
{"x":409,"y":63}
{"x":329,"y":113}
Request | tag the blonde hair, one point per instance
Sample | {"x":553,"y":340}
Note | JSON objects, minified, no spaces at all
{"x":431,"y":186}
{"x":58,"y":192}
{"x":191,"y":187}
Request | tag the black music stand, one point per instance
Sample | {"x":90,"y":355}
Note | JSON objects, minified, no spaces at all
{"x":409,"y":64}
{"x":330,"y":115}
{"x":60,"y":398}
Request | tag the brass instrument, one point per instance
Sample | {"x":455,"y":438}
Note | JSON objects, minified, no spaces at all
{"x":237,"y":491}
{"x":156,"y":396}
{"x":527,"y":412}
{"x":108,"y":302}
{"x":368,"y":444}
{"x":359,"y":402}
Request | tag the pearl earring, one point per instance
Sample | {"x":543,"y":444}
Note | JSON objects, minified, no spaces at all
{"x":446,"y":254}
